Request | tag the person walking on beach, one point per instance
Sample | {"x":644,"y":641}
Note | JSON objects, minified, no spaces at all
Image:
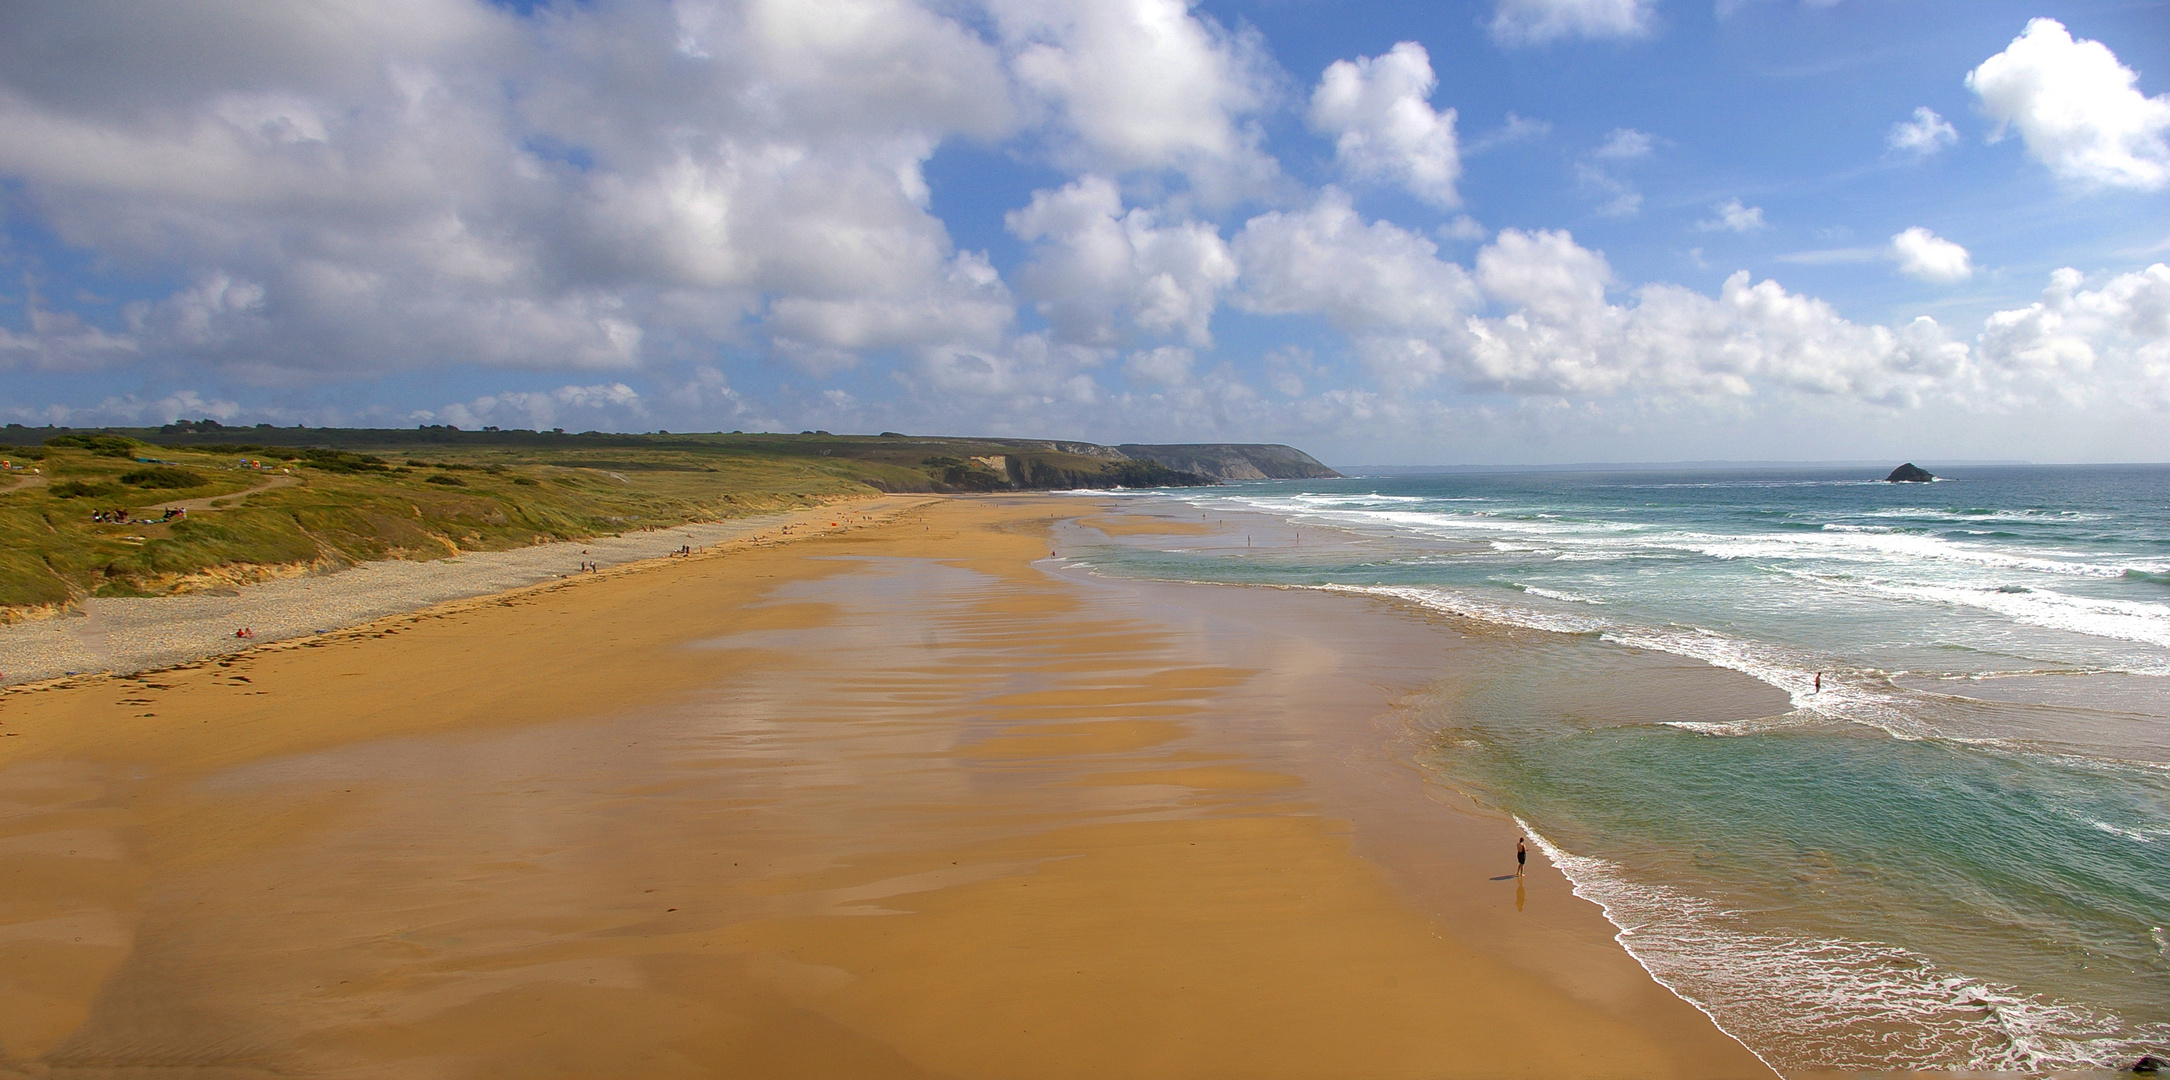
{"x":1521,"y":855}
{"x":1819,"y":682}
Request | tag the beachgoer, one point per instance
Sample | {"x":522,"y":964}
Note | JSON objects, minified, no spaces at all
{"x":1521,"y":856}
{"x":1819,"y":682}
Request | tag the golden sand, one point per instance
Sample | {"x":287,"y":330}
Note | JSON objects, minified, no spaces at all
{"x":893,"y":802}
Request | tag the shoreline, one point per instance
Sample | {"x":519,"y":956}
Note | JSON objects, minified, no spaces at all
{"x":1191,"y":796}
{"x":133,"y":635}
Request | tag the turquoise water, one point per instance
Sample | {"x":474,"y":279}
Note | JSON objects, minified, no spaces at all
{"x":1954,"y":854}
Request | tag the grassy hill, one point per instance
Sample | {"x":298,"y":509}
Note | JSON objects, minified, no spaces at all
{"x":265,"y":501}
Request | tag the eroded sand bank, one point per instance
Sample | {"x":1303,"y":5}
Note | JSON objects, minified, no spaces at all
{"x":893,"y":803}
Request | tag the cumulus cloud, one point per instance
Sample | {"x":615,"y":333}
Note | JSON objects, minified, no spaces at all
{"x":1144,"y":84}
{"x":613,"y":403}
{"x":2076,"y":341}
{"x":1379,"y":112}
{"x":1383,"y":285}
{"x":2077,"y":109}
{"x":1102,"y":274}
{"x":1168,"y":365}
{"x":1925,"y":255}
{"x":1563,"y":335}
{"x":1922,"y":136}
{"x":1537,"y":22}
{"x":413,"y":184}
{"x":1535,"y":317}
{"x":127,"y":410}
{"x":1735,"y":217}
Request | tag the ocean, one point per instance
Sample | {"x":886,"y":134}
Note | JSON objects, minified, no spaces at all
{"x":1951,"y":852}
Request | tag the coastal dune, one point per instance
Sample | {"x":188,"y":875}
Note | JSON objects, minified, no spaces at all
{"x":904,"y":801}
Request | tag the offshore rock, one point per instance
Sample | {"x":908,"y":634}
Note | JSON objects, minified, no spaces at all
{"x":1909,"y":473}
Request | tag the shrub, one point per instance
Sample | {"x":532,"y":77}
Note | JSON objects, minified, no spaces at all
{"x":163,"y":476}
{"x":76,"y":489}
{"x":343,"y":461}
{"x":112,"y":445}
{"x":448,"y":481}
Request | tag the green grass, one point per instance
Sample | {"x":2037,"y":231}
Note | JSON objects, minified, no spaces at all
{"x":364,"y":495}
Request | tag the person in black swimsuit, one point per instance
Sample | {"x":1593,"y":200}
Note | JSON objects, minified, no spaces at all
{"x":1521,"y":855}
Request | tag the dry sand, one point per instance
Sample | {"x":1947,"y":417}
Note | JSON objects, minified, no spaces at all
{"x":127,"y":635}
{"x":899,"y":802}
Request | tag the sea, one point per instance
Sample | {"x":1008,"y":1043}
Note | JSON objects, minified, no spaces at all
{"x":1949,"y":849}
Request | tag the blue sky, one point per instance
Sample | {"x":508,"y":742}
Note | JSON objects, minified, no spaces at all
{"x":1503,"y":231}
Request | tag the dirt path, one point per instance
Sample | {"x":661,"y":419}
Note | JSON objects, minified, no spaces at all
{"x":20,"y":483}
{"x":197,"y":506}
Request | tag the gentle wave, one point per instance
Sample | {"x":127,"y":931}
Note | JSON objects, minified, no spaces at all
{"x":1555,"y":594}
{"x":1835,"y":541}
{"x":1835,"y":1003}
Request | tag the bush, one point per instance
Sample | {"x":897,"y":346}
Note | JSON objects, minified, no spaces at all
{"x":76,"y":489}
{"x":343,"y":461}
{"x":110,"y":445}
{"x":448,"y":481}
{"x":163,"y":476}
{"x":524,"y":481}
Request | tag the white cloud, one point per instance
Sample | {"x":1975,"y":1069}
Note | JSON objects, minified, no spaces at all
{"x":1383,"y":285}
{"x":601,"y":403}
{"x":1464,"y":228}
{"x":1621,"y":146}
{"x":1621,"y":198}
{"x":1515,"y":129}
{"x":1563,"y":336}
{"x":1834,"y":256}
{"x":2080,"y":343}
{"x":1378,"y":109}
{"x":1101,"y":274}
{"x":1536,"y":22}
{"x":1326,"y":259}
{"x":1413,"y":318}
{"x":1286,"y":368}
{"x":1168,"y":365}
{"x":1922,"y":136}
{"x":1626,"y":144}
{"x":1925,"y":255}
{"x":2077,"y":109}
{"x":1145,"y":84}
{"x":1732,"y":215}
{"x":409,"y":185}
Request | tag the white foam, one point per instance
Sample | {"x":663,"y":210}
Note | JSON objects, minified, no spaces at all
{"x":1807,"y":1002}
{"x":1566,"y":597}
{"x":2125,"y":620}
{"x":2137,"y":836}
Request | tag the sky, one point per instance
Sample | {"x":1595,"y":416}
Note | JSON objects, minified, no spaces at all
{"x":1503,"y":231}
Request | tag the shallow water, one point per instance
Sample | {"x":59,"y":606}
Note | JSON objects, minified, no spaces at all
{"x":1954,"y":854}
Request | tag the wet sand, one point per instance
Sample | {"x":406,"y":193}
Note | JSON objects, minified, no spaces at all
{"x":909,"y":801}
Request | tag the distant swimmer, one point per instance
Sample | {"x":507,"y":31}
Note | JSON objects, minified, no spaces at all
{"x":1521,"y":855}
{"x":1819,"y":682}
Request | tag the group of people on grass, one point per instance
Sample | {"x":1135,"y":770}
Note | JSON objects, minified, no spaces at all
{"x":120,"y":516}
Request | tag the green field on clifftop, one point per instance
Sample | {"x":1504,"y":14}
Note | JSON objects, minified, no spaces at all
{"x":265,"y":501}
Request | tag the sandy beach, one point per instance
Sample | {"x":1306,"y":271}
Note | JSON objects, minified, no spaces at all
{"x":911,"y":799}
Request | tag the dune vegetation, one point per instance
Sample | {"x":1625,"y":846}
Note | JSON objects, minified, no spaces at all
{"x":193,"y":506}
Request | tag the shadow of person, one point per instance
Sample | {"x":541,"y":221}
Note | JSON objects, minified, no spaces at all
{"x":1505,"y":877}
{"x":1520,"y":894}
